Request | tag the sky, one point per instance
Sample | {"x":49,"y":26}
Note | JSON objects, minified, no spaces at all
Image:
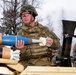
{"x":68,"y":6}
{"x":57,"y":10}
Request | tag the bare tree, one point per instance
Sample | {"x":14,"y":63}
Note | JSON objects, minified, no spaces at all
{"x":11,"y":20}
{"x":49,"y":23}
{"x":11,"y":10}
{"x":24,"y":2}
{"x":35,"y":3}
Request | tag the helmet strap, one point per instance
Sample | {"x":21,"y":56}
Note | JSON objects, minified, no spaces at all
{"x":31,"y":21}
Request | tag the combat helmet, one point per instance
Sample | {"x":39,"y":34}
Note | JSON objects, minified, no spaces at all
{"x":28,"y":8}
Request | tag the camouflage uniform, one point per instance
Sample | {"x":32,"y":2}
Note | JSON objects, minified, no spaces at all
{"x":74,"y":47}
{"x":74,"y":50}
{"x":74,"y":62}
{"x":34,"y":54}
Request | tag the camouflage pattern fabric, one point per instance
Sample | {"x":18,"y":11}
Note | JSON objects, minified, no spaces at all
{"x":34,"y":53}
{"x":29,"y":8}
{"x":74,"y":47}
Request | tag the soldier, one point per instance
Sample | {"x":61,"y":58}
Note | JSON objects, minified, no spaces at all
{"x":74,"y":62}
{"x":34,"y":54}
{"x":74,"y":49}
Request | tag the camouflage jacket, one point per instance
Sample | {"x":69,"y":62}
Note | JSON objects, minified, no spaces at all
{"x":34,"y":50}
{"x":74,"y":47}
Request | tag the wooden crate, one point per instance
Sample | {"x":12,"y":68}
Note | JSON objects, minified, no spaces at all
{"x":45,"y":70}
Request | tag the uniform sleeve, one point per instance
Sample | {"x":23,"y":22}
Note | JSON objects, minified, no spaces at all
{"x":20,"y":33}
{"x":56,"y":44}
{"x":56,"y":40}
{"x":74,"y":47}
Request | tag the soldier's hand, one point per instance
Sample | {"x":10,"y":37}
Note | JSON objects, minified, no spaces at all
{"x":49,"y":42}
{"x":19,"y":44}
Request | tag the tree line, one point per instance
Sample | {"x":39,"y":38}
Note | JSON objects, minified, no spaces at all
{"x":11,"y":22}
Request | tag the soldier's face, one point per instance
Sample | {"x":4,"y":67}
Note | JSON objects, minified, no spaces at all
{"x":26,"y":17}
